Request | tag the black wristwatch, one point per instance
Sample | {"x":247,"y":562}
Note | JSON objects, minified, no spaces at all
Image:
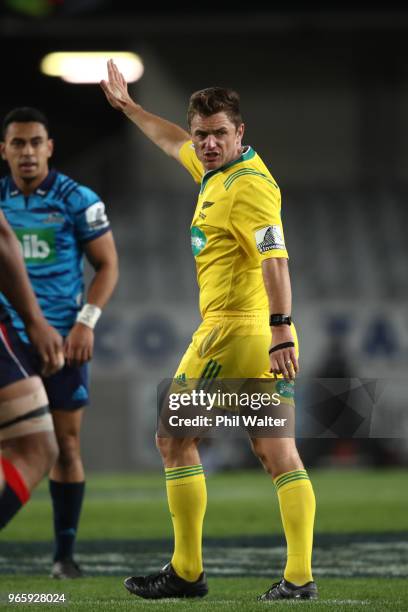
{"x":279,"y":319}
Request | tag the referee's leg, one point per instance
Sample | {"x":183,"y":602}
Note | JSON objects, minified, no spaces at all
{"x":187,"y":499}
{"x":281,"y":460}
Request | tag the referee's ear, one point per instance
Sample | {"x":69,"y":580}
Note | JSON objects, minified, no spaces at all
{"x":240,"y":131}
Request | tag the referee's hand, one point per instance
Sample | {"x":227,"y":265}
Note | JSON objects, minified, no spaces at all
{"x":115,"y":88}
{"x":283,"y":361}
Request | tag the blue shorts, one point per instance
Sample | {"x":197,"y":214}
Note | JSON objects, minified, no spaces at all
{"x":66,"y":390}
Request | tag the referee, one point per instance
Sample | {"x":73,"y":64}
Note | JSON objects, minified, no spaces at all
{"x":245,"y":302}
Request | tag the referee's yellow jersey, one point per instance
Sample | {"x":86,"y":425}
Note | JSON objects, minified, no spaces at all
{"x":236,"y":224}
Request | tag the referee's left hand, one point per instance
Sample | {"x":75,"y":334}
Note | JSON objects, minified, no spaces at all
{"x":78,"y":346}
{"x":283,"y":361}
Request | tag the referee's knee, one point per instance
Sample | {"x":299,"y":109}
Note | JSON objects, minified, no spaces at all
{"x":277,"y":455}
{"x":172,"y":449}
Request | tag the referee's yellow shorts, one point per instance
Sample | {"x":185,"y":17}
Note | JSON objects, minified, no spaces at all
{"x":230,"y":345}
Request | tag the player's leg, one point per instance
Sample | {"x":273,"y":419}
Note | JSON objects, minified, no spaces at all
{"x":185,"y":480}
{"x":67,"y":487}
{"x":281,"y":460}
{"x":187,"y":499}
{"x":28,"y":442}
{"x":186,"y":494}
{"x":68,"y":393}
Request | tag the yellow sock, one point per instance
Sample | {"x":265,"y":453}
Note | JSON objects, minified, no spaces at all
{"x":297,"y":505}
{"x":187,"y":497}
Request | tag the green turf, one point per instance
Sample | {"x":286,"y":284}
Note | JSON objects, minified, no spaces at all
{"x":134,"y":506}
{"x":108,"y":594}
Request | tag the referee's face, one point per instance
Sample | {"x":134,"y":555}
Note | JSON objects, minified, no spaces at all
{"x":216,"y":139}
{"x":27,"y":149}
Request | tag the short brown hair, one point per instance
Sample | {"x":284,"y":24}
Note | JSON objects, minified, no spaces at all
{"x":213,"y":100}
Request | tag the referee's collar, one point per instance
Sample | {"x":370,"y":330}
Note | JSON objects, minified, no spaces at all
{"x":247,"y":153}
{"x":42,"y":189}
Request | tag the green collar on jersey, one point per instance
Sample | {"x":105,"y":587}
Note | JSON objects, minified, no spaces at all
{"x":248,"y":154}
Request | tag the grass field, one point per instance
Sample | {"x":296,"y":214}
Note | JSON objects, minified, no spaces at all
{"x":360,"y":560}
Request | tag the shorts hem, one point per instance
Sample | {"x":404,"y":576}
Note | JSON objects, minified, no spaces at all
{"x":71,"y":407}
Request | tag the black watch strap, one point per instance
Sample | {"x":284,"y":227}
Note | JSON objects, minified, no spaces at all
{"x":279,"y":319}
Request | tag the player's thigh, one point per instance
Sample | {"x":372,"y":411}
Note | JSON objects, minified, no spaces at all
{"x":17,"y":366}
{"x":26,"y":429}
{"x":24,"y":410}
{"x":23,"y":400}
{"x":220,"y":348}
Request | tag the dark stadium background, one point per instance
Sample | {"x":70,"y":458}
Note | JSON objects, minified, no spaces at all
{"x":324,"y":95}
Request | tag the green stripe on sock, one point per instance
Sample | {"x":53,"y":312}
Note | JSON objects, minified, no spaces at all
{"x":178,"y":472}
{"x":187,"y":468}
{"x":185,"y":474}
{"x":281,"y":479}
{"x":285,"y":477}
{"x":290,"y":480}
{"x":290,"y":474}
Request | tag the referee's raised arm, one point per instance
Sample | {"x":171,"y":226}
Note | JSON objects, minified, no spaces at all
{"x":166,"y":135}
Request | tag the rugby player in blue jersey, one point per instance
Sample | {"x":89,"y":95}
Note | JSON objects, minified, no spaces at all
{"x":57,"y":222}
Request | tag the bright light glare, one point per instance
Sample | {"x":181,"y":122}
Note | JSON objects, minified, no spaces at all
{"x":90,"y":67}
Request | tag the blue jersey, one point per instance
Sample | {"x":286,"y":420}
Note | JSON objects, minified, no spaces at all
{"x":52,"y":226}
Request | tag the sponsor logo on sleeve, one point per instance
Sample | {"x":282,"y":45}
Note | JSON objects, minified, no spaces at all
{"x":96,"y":217}
{"x":198,"y":240}
{"x":269,"y":238}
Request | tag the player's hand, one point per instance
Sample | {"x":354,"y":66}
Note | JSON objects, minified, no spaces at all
{"x":115,"y":88}
{"x":48,"y":343}
{"x":283,"y":361}
{"x":78,"y":347}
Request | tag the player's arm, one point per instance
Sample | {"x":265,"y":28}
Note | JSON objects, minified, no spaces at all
{"x":166,"y":135}
{"x":275,"y":272}
{"x":101,"y":254}
{"x":15,"y":285}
